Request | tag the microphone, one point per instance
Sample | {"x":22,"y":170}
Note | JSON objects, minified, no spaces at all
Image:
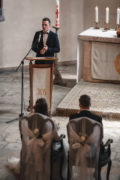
{"x":39,"y":37}
{"x":36,"y":42}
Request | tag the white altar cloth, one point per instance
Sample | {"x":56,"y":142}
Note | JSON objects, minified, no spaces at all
{"x":87,"y":41}
{"x":99,"y":33}
{"x":103,"y":61}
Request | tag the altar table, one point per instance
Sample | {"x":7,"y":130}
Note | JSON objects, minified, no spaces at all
{"x":98,"y":56}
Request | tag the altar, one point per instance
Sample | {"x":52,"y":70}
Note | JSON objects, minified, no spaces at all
{"x":98,"y":56}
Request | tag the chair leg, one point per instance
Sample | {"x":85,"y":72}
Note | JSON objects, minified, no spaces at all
{"x":99,"y":173}
{"x":108,"y":169}
{"x":61,"y":166}
{"x":68,"y":170}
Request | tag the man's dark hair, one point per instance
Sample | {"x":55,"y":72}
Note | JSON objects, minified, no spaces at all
{"x":85,"y":101}
{"x":41,"y":106}
{"x":46,"y":19}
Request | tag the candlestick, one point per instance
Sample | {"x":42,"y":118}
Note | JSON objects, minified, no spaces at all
{"x":117,"y":27}
{"x":118,"y":19}
{"x":107,"y":15}
{"x":96,"y":14}
{"x":96,"y":25}
{"x":57,"y":13}
{"x":107,"y":27}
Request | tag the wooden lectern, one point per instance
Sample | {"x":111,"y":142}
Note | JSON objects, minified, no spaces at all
{"x":41,"y":80}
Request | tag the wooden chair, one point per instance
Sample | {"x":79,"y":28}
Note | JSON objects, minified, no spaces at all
{"x":37,"y":135}
{"x":87,"y":149}
{"x":84,"y":137}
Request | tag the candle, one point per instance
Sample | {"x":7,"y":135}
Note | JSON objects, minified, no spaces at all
{"x":118,"y":16}
{"x":107,"y":15}
{"x":57,"y":12}
{"x":96,"y":14}
{"x":57,"y":2}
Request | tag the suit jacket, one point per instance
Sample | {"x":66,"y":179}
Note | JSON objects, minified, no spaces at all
{"x":85,"y":113}
{"x":52,"y":43}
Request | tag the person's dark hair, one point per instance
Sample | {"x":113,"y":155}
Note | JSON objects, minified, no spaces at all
{"x":46,"y":19}
{"x":85,"y":101}
{"x":41,"y":106}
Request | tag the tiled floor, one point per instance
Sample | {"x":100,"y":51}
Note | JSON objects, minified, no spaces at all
{"x":10,"y":101}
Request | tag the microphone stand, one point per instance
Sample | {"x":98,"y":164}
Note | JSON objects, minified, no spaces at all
{"x":22,"y":84}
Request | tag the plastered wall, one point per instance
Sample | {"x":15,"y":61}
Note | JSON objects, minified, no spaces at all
{"x":23,"y":18}
{"x":71,"y":26}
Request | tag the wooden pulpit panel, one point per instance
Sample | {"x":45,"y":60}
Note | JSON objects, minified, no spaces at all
{"x":41,"y":84}
{"x":41,"y":81}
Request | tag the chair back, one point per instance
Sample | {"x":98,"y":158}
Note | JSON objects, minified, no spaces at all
{"x":84,"y":137}
{"x":37,"y":133}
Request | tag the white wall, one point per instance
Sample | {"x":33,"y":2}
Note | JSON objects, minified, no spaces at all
{"x":71,"y":26}
{"x":23,"y":19}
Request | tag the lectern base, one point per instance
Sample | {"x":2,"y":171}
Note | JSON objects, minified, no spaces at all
{"x":58,"y":78}
{"x":59,"y":82}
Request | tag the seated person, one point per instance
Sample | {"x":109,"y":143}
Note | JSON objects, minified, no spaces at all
{"x":32,"y":140}
{"x":41,"y":106}
{"x":14,"y":165}
{"x":84,"y":104}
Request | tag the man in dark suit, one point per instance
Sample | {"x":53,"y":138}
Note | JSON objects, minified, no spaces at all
{"x":104,"y":157}
{"x":45,"y":42}
{"x":85,"y":103}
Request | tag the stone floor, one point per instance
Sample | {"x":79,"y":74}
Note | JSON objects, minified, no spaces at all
{"x":105,"y":98}
{"x":10,"y":101}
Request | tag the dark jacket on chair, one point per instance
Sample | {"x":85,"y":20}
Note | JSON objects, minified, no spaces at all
{"x":85,"y":113}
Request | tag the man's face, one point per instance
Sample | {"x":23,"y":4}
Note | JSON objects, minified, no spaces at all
{"x":45,"y":26}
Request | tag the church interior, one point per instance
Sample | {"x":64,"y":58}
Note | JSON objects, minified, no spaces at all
{"x":88,"y":63}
